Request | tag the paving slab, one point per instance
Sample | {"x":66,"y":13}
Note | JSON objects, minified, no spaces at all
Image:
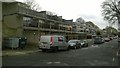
{"x":26,"y":50}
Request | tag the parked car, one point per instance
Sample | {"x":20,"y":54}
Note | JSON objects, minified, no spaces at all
{"x":111,"y":38}
{"x":83,"y":43}
{"x":53,"y":42}
{"x":107,"y":39}
{"x":98,"y":40}
{"x":115,"y":37}
{"x":74,"y":44}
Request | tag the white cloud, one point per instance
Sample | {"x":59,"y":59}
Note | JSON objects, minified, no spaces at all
{"x":72,"y":9}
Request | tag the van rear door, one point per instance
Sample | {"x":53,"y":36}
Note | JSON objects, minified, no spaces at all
{"x":45,"y":42}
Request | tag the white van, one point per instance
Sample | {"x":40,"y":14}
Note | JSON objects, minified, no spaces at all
{"x":53,"y":42}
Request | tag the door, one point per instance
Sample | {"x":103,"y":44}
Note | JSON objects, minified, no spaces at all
{"x":62,"y":43}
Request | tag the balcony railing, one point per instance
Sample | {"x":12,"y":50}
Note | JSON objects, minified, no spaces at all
{"x":46,"y":26}
{"x":29,"y":12}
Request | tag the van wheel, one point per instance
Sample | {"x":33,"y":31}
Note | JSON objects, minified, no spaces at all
{"x":43,"y":50}
{"x":55,"y":49}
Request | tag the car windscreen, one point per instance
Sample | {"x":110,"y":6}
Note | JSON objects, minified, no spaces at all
{"x":72,"y":41}
{"x":97,"y":38}
{"x":81,"y":40}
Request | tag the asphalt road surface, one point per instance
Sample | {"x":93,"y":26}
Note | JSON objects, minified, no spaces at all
{"x":95,"y":55}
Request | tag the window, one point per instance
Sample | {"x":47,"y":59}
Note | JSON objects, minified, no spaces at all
{"x":81,"y":31}
{"x":27,"y":21}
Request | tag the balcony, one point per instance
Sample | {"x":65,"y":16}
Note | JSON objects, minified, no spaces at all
{"x":46,"y":27}
{"x":29,"y":12}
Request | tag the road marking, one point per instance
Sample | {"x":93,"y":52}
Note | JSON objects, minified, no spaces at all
{"x":84,"y":48}
{"x":117,"y":53}
{"x":113,"y":59}
{"x":65,"y":64}
{"x":49,"y":62}
{"x":95,"y":46}
{"x":57,"y":62}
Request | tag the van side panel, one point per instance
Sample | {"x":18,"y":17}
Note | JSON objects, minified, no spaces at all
{"x":58,"y":41}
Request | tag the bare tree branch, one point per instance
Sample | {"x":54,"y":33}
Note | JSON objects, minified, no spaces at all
{"x":32,"y":5}
{"x":110,"y":11}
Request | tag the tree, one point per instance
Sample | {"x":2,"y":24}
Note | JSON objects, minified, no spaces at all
{"x":111,"y":30}
{"x":98,"y":32}
{"x":80,"y":20}
{"x":111,"y":11}
{"x":32,"y":5}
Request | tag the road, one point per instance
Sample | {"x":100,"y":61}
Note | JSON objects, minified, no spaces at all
{"x":95,"y":55}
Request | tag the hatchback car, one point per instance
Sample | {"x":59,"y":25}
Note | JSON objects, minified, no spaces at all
{"x":98,"y":40}
{"x":83,"y":43}
{"x":74,"y":44}
{"x":111,"y":38}
{"x":107,"y":39}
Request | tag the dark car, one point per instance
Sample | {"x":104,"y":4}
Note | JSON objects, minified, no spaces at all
{"x":75,"y":44}
{"x":98,"y":40}
{"x":111,"y":38}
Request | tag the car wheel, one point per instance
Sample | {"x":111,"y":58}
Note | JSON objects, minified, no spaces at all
{"x":68,"y":48}
{"x":80,"y":46}
{"x":75,"y":47}
{"x":83,"y":45}
{"x":43,"y":50}
{"x":87,"y":44}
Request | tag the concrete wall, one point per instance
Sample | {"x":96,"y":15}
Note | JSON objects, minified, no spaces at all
{"x":33,"y":37}
{"x":0,"y":33}
{"x":9,"y":8}
{"x":12,"y":26}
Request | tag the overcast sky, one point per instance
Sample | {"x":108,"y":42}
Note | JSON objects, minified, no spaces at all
{"x":89,"y":10}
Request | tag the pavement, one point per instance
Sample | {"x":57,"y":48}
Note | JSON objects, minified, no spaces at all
{"x":26,"y":50}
